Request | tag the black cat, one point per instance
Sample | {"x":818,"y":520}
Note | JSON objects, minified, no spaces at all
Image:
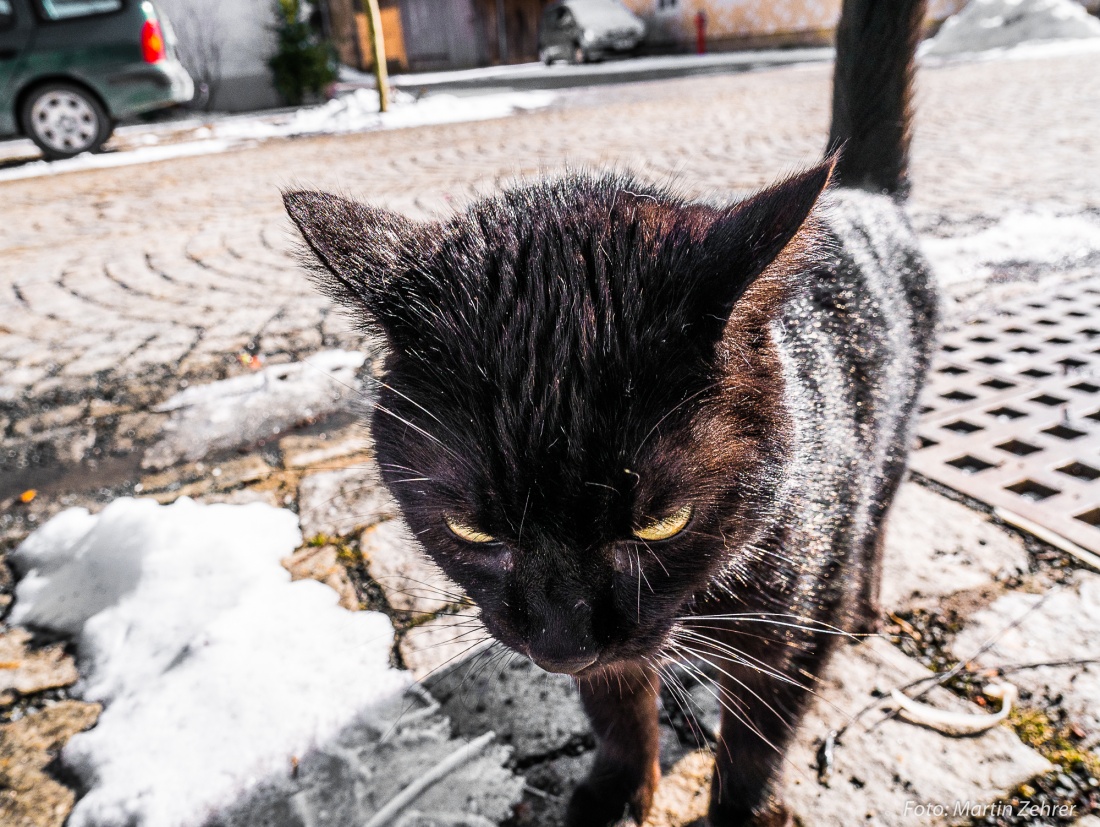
{"x":636,"y":429}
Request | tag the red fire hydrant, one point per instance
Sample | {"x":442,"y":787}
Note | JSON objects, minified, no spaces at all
{"x":700,"y":32}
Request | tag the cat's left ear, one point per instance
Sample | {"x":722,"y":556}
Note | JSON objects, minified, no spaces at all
{"x":749,"y":236}
{"x":363,"y":251}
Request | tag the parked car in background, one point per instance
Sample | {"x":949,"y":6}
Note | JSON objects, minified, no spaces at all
{"x":584,"y":30}
{"x":69,"y":69}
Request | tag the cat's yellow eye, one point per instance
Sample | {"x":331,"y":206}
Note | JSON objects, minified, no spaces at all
{"x":464,"y":532}
{"x":666,"y":528}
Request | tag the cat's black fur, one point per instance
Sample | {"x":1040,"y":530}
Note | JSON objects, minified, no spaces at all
{"x":571,"y":360}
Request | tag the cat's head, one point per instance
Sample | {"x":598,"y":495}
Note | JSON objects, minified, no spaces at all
{"x":582,"y":414}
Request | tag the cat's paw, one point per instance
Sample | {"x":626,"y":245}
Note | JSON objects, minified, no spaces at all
{"x":591,"y":806}
{"x":776,"y":815}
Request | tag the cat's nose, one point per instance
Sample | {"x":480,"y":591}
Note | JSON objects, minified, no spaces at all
{"x":564,"y":665}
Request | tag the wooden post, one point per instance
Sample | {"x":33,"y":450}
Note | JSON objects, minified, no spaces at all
{"x":502,"y":33}
{"x":378,"y":48}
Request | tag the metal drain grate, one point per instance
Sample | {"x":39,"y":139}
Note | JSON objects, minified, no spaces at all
{"x":1011,"y":414}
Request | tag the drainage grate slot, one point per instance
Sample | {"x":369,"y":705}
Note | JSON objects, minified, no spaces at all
{"x":951,"y":370}
{"x":950,"y":349}
{"x":1036,"y":373}
{"x":1032,"y":491}
{"x":1016,"y":331}
{"x":989,"y":360}
{"x":1095,"y":415}
{"x":1047,"y":399}
{"x":961,"y":426}
{"x":1077,"y":314}
{"x":1046,"y":322}
{"x":1071,"y":364}
{"x":998,"y":384}
{"x":970,"y":465}
{"x":982,"y":340}
{"x":1019,"y":448}
{"x":1085,"y":387}
{"x":1025,"y":349}
{"x":1006,"y":414}
{"x":1080,"y":471}
{"x":1091,"y":517}
{"x":1062,"y":432}
{"x":1090,"y":332}
{"x":958,"y":396}
{"x":1057,"y":340}
{"x":924,"y":442}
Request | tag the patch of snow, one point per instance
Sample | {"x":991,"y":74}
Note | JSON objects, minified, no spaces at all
{"x":1038,"y":237}
{"x":214,"y":669}
{"x":983,"y":25}
{"x":358,"y":112}
{"x":245,"y":409}
{"x":143,"y":155}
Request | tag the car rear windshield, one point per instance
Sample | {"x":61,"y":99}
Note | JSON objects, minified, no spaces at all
{"x":68,"y":9}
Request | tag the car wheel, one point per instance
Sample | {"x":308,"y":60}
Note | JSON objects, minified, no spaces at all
{"x":579,"y":56}
{"x":546,"y":56}
{"x":65,"y":120}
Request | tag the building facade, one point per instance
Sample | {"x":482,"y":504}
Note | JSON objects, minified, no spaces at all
{"x":741,"y":24}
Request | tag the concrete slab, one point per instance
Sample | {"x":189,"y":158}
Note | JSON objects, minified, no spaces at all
{"x":885,"y":769}
{"x":936,"y":547}
{"x":1059,"y":625}
{"x":397,"y":562}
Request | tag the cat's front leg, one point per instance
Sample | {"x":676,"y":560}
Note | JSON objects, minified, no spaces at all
{"x":751,"y":748}
{"x":622,"y":707}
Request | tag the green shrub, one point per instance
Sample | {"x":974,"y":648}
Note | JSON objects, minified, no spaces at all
{"x":302,"y":64}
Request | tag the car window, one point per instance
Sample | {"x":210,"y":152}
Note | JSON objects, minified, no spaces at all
{"x":67,"y":9}
{"x":7,"y":16}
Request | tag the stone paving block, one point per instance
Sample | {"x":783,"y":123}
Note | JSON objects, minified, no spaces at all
{"x":26,"y":670}
{"x":320,"y":563}
{"x":880,"y":765}
{"x":1061,"y":624}
{"x":533,"y":711}
{"x":339,"y":502}
{"x":306,"y":451}
{"x":936,"y":547}
{"x":397,"y":563}
{"x":49,"y":420}
{"x":452,"y":640}
{"x":30,"y":797}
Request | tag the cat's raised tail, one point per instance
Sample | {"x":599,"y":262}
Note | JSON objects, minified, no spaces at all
{"x":876,"y":44}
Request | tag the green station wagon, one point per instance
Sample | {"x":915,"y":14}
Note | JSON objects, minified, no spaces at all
{"x":69,"y":69}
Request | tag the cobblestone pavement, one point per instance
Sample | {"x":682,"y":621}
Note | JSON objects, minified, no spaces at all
{"x":119,"y":287}
{"x":118,"y":284}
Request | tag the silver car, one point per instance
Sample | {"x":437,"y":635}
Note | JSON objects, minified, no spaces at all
{"x":582,"y":30}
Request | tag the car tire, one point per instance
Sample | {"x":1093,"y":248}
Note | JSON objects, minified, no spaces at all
{"x":65,"y":120}
{"x":547,"y":57}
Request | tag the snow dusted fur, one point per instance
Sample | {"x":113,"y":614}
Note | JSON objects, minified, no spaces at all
{"x":572,"y":361}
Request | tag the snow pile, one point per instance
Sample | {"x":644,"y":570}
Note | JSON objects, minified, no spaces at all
{"x":358,"y":112}
{"x":1000,"y":24}
{"x":246,"y":409}
{"x":215,"y":670}
{"x":1035,"y":238}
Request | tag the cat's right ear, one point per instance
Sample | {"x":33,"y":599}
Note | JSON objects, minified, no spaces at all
{"x":363,"y":252}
